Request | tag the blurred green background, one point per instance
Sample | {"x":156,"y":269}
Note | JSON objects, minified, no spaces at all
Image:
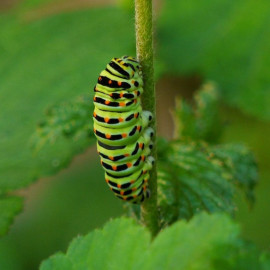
{"x":52,"y":51}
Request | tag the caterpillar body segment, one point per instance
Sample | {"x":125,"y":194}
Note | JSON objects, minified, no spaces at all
{"x":124,"y":168}
{"x":121,"y":127}
{"x":107,"y":104}
{"x":126,"y":135}
{"x":116,"y":137}
{"x":127,"y":181}
{"x":129,"y":151}
{"x":130,"y":186}
{"x":119,"y":96}
{"x":112,"y":83}
{"x":115,"y":119}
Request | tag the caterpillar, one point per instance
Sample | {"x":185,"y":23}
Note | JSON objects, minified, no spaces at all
{"x":122,"y":129}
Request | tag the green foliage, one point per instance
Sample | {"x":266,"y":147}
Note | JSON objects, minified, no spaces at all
{"x":206,"y":242}
{"x":42,"y":63}
{"x":202,"y":121}
{"x":191,"y":245}
{"x":193,"y":176}
{"x":196,"y":177}
{"x":117,"y":246}
{"x":9,"y":207}
{"x":69,"y":119}
{"x":241,"y":165}
{"x":225,"y":41}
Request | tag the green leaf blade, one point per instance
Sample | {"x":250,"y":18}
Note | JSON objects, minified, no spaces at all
{"x":205,"y":242}
{"x":194,"y":177}
{"x":57,"y":262}
{"x":117,"y":246}
{"x":190,"y":245}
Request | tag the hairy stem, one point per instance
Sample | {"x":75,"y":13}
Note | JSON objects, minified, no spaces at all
{"x":144,"y":47}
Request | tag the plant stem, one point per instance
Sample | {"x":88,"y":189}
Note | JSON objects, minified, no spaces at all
{"x":144,"y":47}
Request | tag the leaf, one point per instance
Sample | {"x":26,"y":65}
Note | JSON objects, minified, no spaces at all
{"x":225,"y":41}
{"x":240,"y":162}
{"x":58,"y":262}
{"x":201,"y":121}
{"x":206,"y":242}
{"x":194,"y":177}
{"x":46,"y":62}
{"x":9,"y":207}
{"x":66,"y":120}
{"x":191,"y":245}
{"x":117,"y":246}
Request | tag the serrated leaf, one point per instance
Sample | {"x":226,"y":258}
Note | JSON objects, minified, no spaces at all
{"x":194,"y":177}
{"x":117,"y":246}
{"x":9,"y":207}
{"x":190,"y":245}
{"x":225,"y":41}
{"x":241,"y":164}
{"x":206,"y":242}
{"x":200,"y":121}
{"x":57,"y":262}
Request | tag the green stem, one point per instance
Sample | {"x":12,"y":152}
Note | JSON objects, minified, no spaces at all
{"x":144,"y":47}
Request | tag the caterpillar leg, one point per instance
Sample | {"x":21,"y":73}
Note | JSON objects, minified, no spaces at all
{"x":149,"y":162}
{"x":146,"y":118}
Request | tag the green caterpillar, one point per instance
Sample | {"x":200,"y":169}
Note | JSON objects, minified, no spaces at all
{"x":121,"y":127}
